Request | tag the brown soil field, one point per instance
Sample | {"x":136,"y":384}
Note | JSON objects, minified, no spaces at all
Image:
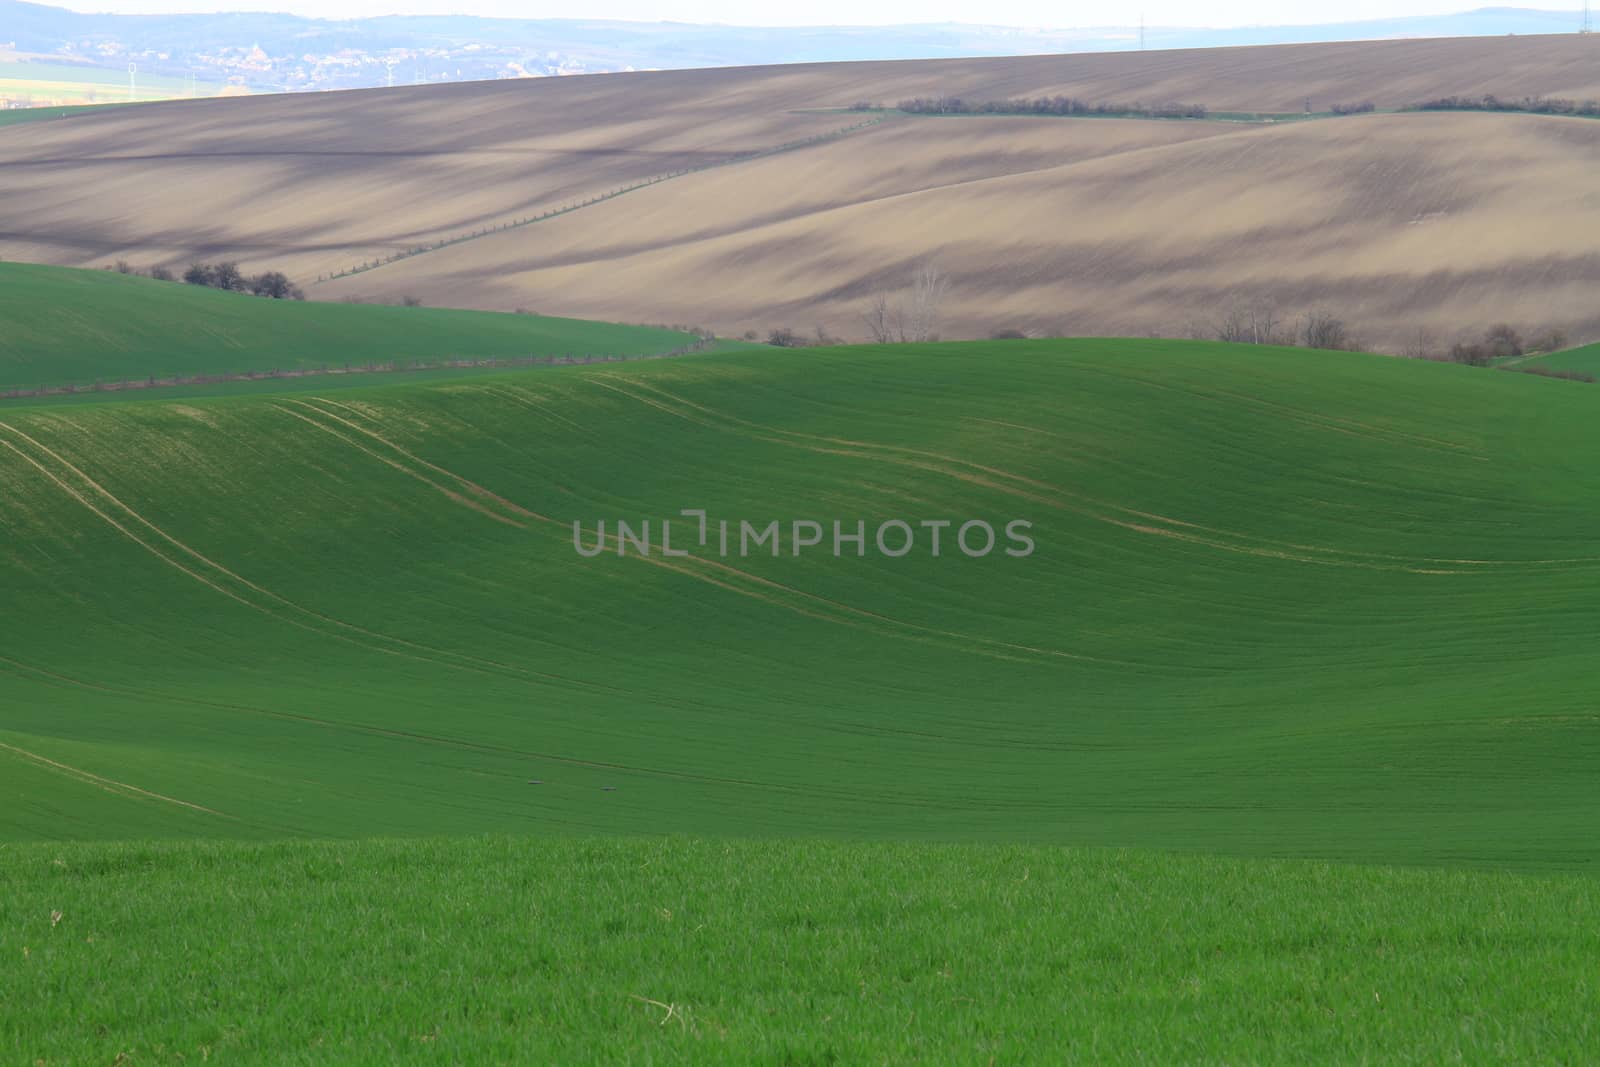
{"x":1395,"y":222}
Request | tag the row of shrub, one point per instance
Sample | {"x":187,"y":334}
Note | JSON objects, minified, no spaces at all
{"x":1067,"y":105}
{"x":1504,"y":341}
{"x":1043,"y":105}
{"x":1245,"y":324}
{"x":1546,"y":372}
{"x":1261,"y":323}
{"x":784,"y":337}
{"x":404,"y":301}
{"x":1534,"y":105}
{"x":273,"y":284}
{"x":1258,"y":324}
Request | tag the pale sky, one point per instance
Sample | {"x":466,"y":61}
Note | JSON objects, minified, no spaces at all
{"x":1030,"y":13}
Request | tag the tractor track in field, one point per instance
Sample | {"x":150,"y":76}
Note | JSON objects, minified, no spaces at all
{"x":220,"y":579}
{"x":456,"y":497}
{"x":951,"y":467}
{"x":728,"y":577}
{"x":109,"y":785}
{"x":1089,"y":507}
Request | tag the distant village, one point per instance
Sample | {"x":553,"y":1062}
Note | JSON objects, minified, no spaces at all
{"x":94,"y":72}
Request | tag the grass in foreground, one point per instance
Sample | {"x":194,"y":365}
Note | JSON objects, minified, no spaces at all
{"x":65,"y":326}
{"x":694,"y":952}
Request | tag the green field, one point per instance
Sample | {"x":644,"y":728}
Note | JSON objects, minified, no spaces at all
{"x":1330,"y":615}
{"x":17,"y":116}
{"x":65,"y":326}
{"x":1585,"y":360}
{"x":1284,"y":603}
{"x":28,"y":80}
{"x":698,"y":952}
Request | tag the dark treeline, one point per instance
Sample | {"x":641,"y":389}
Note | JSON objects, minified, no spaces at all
{"x":1533,"y":105}
{"x":1067,"y":105}
{"x":274,"y":285}
{"x":1043,"y":105}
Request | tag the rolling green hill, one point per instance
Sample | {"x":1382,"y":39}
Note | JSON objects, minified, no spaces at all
{"x":64,"y":326}
{"x":1282,"y":603}
{"x":1585,"y":360}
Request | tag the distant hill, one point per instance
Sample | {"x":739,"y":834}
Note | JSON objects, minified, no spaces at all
{"x":1437,"y":222}
{"x":436,"y":48}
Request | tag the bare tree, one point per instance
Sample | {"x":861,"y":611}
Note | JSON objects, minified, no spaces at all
{"x":1422,"y":343}
{"x":1321,"y":329}
{"x":226,"y":275}
{"x":1549,"y":340}
{"x":1472,"y":353}
{"x":1268,"y":326}
{"x":1255,"y":323}
{"x":1503,"y":341}
{"x":916,"y":318}
{"x":879,"y":320}
{"x":929,"y":287}
{"x":272,"y":284}
{"x":824,"y":339}
{"x":1235,"y":327}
